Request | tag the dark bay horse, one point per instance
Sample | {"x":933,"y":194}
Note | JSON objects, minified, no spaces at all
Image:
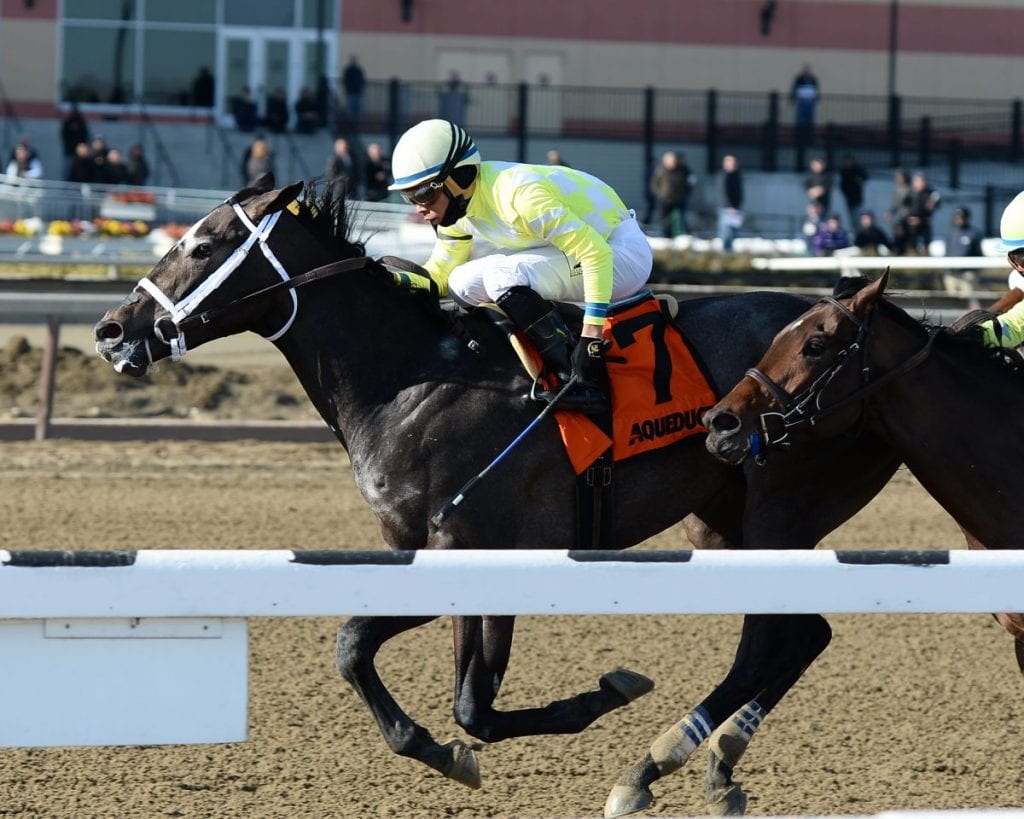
{"x":420,"y":410}
{"x":943,"y":402}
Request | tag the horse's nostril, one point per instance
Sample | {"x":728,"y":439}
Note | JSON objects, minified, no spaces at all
{"x":724,"y":422}
{"x":108,"y":332}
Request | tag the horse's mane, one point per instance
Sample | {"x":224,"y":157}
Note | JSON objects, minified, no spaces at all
{"x":965,"y":345}
{"x":325,"y":214}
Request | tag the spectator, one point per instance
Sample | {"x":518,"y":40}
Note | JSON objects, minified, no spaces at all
{"x":870,"y":238}
{"x":454,"y":100}
{"x":99,"y":158}
{"x":671,"y":184}
{"x":804,"y":95}
{"x":963,"y":239}
{"x":258,"y":160}
{"x":831,"y":236}
{"x":277,"y":111}
{"x":814,"y":218}
{"x":307,"y":113}
{"x":115,"y":172}
{"x":377,"y":173}
{"x":73,"y":130}
{"x":896,"y":216}
{"x":555,"y":158}
{"x":137,"y":166}
{"x":24,"y":141}
{"x":341,"y":171}
{"x":82,"y":168}
{"x":921,"y":203}
{"x":202,"y":89}
{"x":730,"y":201}
{"x":23,"y":165}
{"x":353,"y":80}
{"x":852,"y":178}
{"x":243,"y":107}
{"x":818,"y":183}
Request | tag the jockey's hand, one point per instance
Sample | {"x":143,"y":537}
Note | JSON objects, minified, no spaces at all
{"x":588,"y":358}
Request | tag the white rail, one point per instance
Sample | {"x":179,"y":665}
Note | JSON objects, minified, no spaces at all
{"x":281,"y":583}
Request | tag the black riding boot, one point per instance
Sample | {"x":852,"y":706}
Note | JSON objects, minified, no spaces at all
{"x":535,"y":316}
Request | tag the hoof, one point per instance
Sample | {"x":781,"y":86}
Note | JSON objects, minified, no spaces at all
{"x":464,"y":767}
{"x":627,"y":799}
{"x":627,"y":684}
{"x":731,"y":801}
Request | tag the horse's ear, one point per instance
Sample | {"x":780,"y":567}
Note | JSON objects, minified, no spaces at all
{"x":864,"y":302}
{"x":264,"y":182}
{"x":273,"y":201}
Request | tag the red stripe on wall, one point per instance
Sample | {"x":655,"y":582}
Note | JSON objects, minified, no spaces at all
{"x":40,"y":10}
{"x":806,"y":24}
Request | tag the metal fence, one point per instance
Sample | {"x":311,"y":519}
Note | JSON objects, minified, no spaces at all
{"x":722,"y":120}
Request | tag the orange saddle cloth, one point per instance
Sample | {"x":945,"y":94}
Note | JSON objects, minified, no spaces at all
{"x":658,"y":390}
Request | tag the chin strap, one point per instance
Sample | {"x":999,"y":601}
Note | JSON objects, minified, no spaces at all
{"x":179,"y":311}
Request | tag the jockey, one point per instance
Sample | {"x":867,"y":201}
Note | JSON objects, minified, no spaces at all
{"x":1008,"y":331}
{"x":560,"y":233}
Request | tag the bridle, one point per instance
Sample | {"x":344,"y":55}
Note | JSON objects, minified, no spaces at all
{"x":181,"y":315}
{"x":806,"y":408}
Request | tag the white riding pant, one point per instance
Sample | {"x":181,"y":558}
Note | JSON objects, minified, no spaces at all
{"x":551,"y":273}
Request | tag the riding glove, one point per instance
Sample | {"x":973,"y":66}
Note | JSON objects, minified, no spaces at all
{"x":588,"y":359}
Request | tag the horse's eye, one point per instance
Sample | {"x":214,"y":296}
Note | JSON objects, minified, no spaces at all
{"x":813,"y":347}
{"x":202,"y":251}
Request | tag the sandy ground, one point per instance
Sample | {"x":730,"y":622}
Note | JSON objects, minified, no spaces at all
{"x":901,"y":711}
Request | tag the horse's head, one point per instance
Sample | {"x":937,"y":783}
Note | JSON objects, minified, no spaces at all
{"x":240,"y":247}
{"x":801,"y":381}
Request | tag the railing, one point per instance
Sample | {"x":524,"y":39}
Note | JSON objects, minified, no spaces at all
{"x":163,"y":157}
{"x":229,"y":165}
{"x":900,"y":128}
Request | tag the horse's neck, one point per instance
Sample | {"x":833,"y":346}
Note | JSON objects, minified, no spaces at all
{"x":359,"y":365}
{"x":955,"y":428}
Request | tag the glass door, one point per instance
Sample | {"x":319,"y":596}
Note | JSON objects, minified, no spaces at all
{"x":269,"y":61}
{"x":260,"y":61}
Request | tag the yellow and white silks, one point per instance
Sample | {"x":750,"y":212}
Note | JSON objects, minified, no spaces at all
{"x":572,"y":239}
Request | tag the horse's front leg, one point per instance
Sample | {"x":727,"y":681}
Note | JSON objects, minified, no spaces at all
{"x":482,"y":646}
{"x":358,"y":642}
{"x":774,"y":651}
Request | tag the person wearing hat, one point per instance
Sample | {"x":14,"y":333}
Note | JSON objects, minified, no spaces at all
{"x":1008,"y":329}
{"x":561,"y":234}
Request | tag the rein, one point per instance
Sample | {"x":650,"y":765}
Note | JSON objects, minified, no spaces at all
{"x":805,"y":408}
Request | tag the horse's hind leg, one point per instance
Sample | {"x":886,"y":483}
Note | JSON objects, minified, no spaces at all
{"x":773,"y":652}
{"x":358,"y":642}
{"x":730,"y":740}
{"x":482,"y":647}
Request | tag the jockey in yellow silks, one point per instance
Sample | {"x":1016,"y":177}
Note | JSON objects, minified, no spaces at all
{"x":1008,"y":330}
{"x":559,"y":233}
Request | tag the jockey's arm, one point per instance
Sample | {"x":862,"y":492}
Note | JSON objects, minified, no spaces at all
{"x":451,"y":248}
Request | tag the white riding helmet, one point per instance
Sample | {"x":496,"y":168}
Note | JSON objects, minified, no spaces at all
{"x":431,"y":150}
{"x":1011,"y":226}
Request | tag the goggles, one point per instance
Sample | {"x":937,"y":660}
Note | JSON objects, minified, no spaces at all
{"x":422,"y":194}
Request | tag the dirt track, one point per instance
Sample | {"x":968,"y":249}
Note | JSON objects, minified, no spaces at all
{"x":901,"y":711}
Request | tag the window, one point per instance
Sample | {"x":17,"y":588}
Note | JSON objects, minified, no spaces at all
{"x":98,"y":64}
{"x":172,"y":67}
{"x":99,"y":9}
{"x":311,"y":12}
{"x":247,"y":13}
{"x":180,"y":11}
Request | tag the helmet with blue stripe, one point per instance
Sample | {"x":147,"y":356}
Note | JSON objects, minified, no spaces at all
{"x":431,"y":151}
{"x":1011,"y":226}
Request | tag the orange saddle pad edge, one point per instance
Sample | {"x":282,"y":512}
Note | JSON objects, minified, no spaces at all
{"x":658,"y":390}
